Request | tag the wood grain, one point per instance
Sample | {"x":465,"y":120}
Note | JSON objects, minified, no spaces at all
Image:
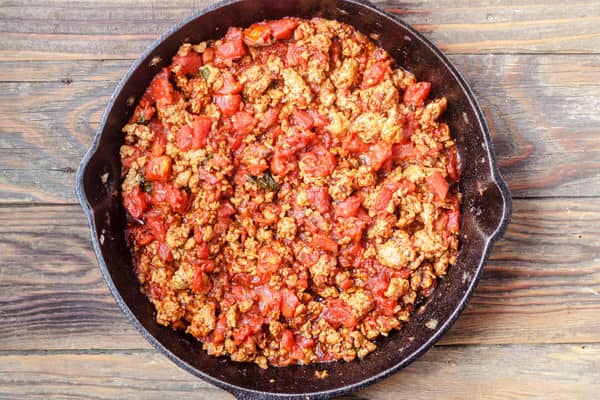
{"x":541,"y":285}
{"x":77,"y":30}
{"x":542,"y":111}
{"x":474,"y":372}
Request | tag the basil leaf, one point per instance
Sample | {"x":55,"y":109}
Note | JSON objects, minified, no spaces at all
{"x":266,"y":181}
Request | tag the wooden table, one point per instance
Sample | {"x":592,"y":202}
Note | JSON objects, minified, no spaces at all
{"x":532,"y":330}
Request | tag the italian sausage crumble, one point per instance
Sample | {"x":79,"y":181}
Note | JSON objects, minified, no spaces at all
{"x":291,"y":193}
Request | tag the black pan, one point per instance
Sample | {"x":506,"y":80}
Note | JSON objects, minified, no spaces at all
{"x":486,"y":203}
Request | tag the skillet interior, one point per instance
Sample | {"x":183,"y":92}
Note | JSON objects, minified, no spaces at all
{"x":486,"y":203}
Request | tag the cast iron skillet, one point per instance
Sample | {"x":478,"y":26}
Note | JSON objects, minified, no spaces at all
{"x":486,"y":203}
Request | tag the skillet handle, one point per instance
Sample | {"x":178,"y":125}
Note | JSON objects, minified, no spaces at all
{"x":499,"y":200}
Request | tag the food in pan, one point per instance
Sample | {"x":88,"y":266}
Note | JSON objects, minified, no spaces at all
{"x":291,"y":193}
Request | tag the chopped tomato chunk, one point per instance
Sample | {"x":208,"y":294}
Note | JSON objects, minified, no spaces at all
{"x":318,"y":162}
{"x":158,"y":169}
{"x":135,"y":202}
{"x":231,"y":50}
{"x":416,"y":94}
{"x":201,"y":126}
{"x":186,"y":65}
{"x":378,"y":154}
{"x":283,"y":28}
{"x":375,"y":73}
{"x":324,"y":242}
{"x":438,"y":185}
{"x":319,"y":198}
{"x":338,"y":313}
{"x":349,"y":207}
{"x":229,"y":104}
{"x":258,"y":35}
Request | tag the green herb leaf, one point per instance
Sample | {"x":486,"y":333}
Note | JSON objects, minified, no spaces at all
{"x":145,"y":185}
{"x":205,"y":72}
{"x":266,"y":181}
{"x":141,"y":119}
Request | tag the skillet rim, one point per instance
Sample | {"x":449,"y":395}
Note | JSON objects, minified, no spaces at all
{"x":242,"y":392}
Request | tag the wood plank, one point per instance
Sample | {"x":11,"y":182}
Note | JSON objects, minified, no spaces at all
{"x":545,"y":270}
{"x":541,"y":111}
{"x":59,"y":30}
{"x":490,"y":372}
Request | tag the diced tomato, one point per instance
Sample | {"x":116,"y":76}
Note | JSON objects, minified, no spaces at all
{"x":220,"y":330}
{"x":208,"y":56}
{"x":289,"y":302}
{"x":375,"y":73}
{"x":229,"y":104}
{"x":346,"y":284}
{"x":453,"y":224}
{"x":269,"y":300}
{"x":293,"y":56}
{"x":248,"y":326}
{"x":157,"y":227}
{"x":319,"y":120}
{"x":205,"y":265}
{"x":269,"y":119}
{"x":231,"y":50}
{"x":302,"y":119}
{"x":144,"y":111}
{"x":155,"y":291}
{"x":201,"y":282}
{"x":378,"y":154}
{"x":204,"y":175}
{"x":158,"y":169}
{"x":349,"y":207}
{"x":160,"y":88}
{"x":226,"y":209}
{"x":135,"y":202}
{"x":230,"y":85}
{"x":337,"y":313}
{"x":354,"y":227}
{"x":158,"y":195}
{"x":159,"y":144}
{"x":318,"y":162}
{"x":183,"y":138}
{"x":385,"y":306}
{"x":233,"y":33}
{"x":202,"y":249}
{"x":324,"y":242}
{"x":438,"y":185}
{"x":294,"y":140}
{"x":385,"y":195}
{"x":164,"y":252}
{"x":243,"y":123}
{"x":282,"y":164}
{"x":378,"y":284}
{"x":201,"y":126}
{"x":416,"y":93}
{"x":283,"y":28}
{"x":354,"y":144}
{"x":404,"y":151}
{"x":258,"y":35}
{"x":139,"y":234}
{"x":178,"y":199}
{"x":188,"y":64}
{"x":269,"y":260}
{"x":319,"y":198}
{"x":453,"y":167}
{"x":287,"y":340}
